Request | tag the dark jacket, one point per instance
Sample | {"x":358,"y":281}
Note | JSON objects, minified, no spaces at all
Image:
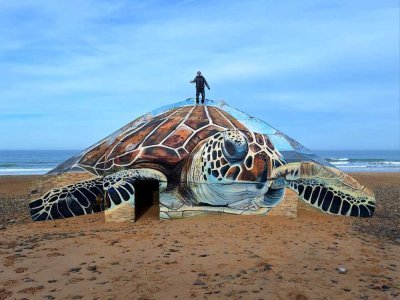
{"x":200,"y":82}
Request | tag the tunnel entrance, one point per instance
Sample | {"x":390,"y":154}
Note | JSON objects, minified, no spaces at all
{"x":147,"y":199}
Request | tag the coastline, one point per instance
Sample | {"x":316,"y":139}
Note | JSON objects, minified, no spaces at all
{"x":39,"y":162}
{"x":18,"y":190}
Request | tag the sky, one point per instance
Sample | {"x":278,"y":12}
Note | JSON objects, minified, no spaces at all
{"x":326,"y":73}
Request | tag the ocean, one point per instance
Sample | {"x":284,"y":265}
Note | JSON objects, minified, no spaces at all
{"x":363,"y":161}
{"x":29,"y":162}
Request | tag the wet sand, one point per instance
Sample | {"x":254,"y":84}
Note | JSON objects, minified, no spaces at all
{"x":237,"y":257}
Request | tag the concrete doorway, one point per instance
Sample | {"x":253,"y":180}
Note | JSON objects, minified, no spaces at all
{"x":147,"y":200}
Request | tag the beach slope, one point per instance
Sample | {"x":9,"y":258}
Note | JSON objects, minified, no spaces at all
{"x":248,"y":257}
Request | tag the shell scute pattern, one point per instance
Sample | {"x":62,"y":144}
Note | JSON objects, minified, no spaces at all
{"x":198,"y":118}
{"x":218,"y":118}
{"x":168,"y":138}
{"x":204,"y":159}
{"x":180,"y":136}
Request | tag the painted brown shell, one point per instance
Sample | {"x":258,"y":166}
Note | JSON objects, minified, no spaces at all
{"x":167,"y":138}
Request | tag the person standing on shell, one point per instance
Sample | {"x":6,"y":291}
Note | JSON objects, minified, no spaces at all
{"x":200,"y":82}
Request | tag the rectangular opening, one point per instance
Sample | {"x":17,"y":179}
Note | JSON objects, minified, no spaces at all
{"x":147,"y":199}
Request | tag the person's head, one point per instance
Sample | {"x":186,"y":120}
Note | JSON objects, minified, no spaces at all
{"x":198,"y":73}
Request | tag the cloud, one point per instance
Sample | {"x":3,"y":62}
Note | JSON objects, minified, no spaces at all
{"x":87,"y":57}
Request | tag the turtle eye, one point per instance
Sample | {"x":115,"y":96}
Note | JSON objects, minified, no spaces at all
{"x":235,"y":146}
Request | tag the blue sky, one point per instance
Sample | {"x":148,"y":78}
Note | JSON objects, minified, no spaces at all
{"x":326,"y":74}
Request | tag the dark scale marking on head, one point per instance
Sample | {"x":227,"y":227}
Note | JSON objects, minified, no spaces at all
{"x":224,"y":169}
{"x":249,"y":161}
{"x":209,"y":171}
{"x":212,"y":165}
{"x":215,"y":173}
{"x":204,"y":177}
{"x":218,"y":164}
{"x":214,"y":155}
{"x":219,"y":153}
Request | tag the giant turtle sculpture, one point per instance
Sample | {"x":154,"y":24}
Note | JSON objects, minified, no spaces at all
{"x":204,"y":158}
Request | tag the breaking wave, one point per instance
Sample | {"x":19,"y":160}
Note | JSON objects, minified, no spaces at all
{"x":23,"y":171}
{"x":364,"y":163}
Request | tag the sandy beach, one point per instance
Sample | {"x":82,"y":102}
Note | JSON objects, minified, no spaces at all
{"x":236,"y":257}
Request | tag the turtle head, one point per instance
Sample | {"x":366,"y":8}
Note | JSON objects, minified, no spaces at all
{"x":241,"y":160}
{"x":234,"y":146}
{"x":233,"y":163}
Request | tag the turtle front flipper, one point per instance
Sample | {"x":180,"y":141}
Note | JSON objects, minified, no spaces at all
{"x":120,"y":188}
{"x":327,"y":189}
{"x":87,"y":197}
{"x":80,"y":198}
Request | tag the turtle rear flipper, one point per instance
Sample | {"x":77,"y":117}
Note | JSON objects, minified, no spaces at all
{"x":80,"y":198}
{"x":328,"y":189}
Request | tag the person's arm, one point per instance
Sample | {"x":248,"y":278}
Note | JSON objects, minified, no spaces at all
{"x":193,"y":81}
{"x":205,"y":81}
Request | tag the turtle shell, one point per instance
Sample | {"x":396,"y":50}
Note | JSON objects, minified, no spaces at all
{"x":165,"y":139}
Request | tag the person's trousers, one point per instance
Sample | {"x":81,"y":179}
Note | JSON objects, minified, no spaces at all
{"x":203,"y":95}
